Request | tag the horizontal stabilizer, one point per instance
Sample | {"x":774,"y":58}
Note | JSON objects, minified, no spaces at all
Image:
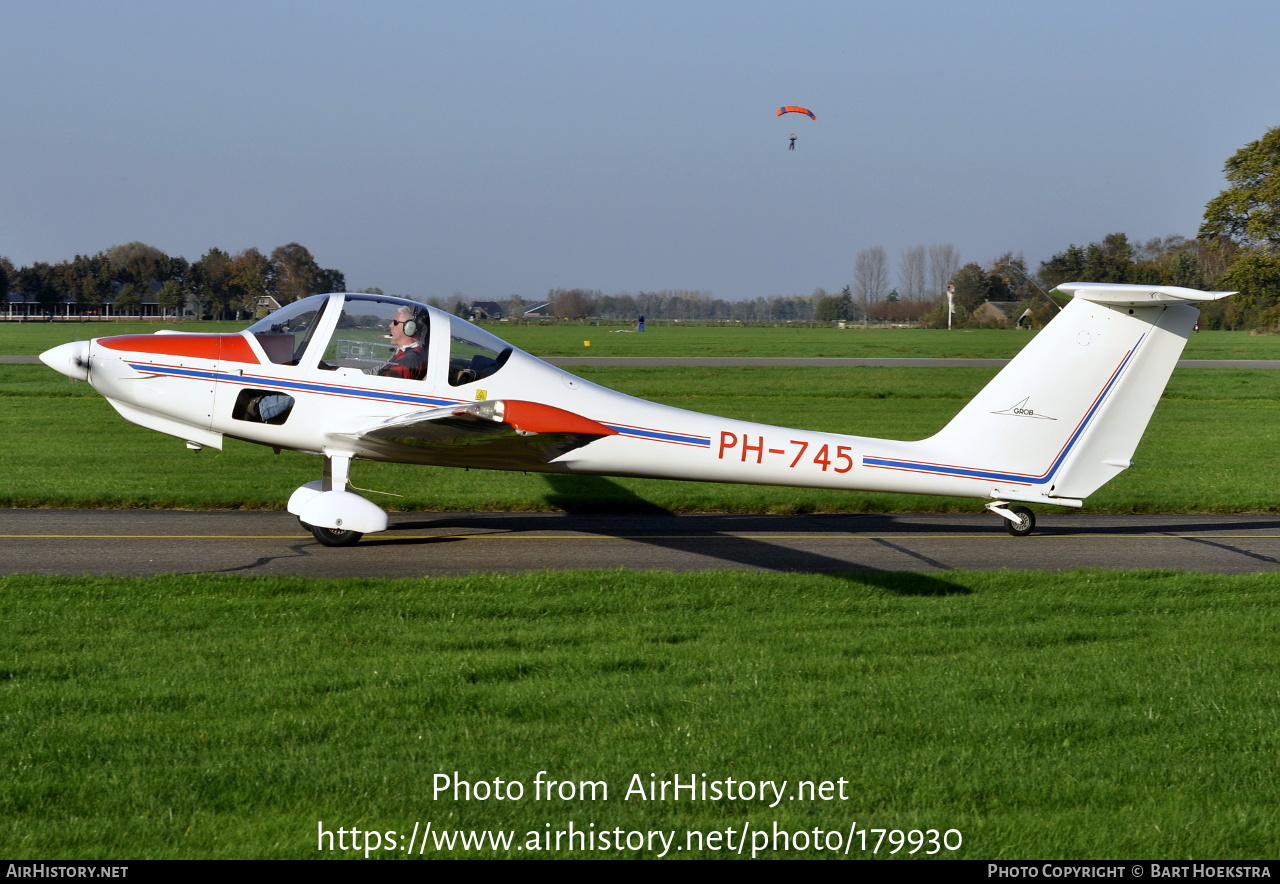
{"x":1125,"y":295}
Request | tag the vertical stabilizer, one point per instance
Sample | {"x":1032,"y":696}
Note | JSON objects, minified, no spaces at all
{"x":1066,"y":414}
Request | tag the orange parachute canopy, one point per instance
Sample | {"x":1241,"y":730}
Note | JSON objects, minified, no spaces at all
{"x":793,"y":109}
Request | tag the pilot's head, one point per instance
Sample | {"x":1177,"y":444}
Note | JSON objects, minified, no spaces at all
{"x":407,"y":327}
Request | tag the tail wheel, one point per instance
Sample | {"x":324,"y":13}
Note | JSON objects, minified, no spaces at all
{"x":334,"y":536}
{"x":1025,"y":525}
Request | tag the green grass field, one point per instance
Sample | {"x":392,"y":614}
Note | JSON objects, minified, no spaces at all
{"x":1082,"y":715}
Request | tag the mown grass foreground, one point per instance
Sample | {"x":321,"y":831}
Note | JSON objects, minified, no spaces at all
{"x":1082,"y":715}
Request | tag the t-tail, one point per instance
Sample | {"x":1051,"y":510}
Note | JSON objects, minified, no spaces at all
{"x":1065,"y":415}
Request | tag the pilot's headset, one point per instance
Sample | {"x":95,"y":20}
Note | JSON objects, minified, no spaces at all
{"x":415,"y":325}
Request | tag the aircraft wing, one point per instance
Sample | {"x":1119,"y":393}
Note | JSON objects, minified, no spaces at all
{"x":494,"y":434}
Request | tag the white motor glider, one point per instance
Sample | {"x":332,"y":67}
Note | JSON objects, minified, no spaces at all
{"x":351,"y":376}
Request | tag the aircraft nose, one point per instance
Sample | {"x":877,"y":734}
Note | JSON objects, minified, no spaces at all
{"x":69,"y":359}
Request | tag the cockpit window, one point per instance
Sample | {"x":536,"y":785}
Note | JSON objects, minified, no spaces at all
{"x":474,"y":354}
{"x":284,"y":334}
{"x":380,"y":337}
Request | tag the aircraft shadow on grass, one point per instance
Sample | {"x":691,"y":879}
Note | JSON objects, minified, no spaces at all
{"x":1136,"y":525}
{"x":1232,"y":548}
{"x":593,"y":504}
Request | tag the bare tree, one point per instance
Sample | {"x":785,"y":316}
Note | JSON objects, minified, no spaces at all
{"x":572,"y":303}
{"x":911,"y":274}
{"x":871,"y":275}
{"x":944,"y":261}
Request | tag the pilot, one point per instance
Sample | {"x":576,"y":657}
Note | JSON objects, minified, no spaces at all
{"x":408,"y":361}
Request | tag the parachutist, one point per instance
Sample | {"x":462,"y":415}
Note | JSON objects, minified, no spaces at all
{"x":795,"y":109}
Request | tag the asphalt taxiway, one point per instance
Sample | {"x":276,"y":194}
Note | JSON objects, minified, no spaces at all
{"x":147,"y":542}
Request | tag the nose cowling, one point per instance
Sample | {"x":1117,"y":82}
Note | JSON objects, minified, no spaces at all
{"x":69,"y":359}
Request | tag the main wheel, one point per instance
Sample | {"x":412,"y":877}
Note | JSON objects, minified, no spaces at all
{"x":1025,"y":525}
{"x":334,"y":536}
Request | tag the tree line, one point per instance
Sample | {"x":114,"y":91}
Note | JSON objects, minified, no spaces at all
{"x":682,"y":305}
{"x":122,"y":279}
{"x":1212,"y":261}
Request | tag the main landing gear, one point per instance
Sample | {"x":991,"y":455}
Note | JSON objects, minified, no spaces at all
{"x":1018,"y":520}
{"x":334,"y":515}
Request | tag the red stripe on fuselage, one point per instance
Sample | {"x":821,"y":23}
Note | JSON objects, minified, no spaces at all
{"x":227,"y":348}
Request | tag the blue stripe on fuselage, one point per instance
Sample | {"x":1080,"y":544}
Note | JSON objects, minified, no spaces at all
{"x":661,"y":436}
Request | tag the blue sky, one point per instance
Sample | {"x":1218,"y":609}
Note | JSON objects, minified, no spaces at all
{"x":498,"y":148}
